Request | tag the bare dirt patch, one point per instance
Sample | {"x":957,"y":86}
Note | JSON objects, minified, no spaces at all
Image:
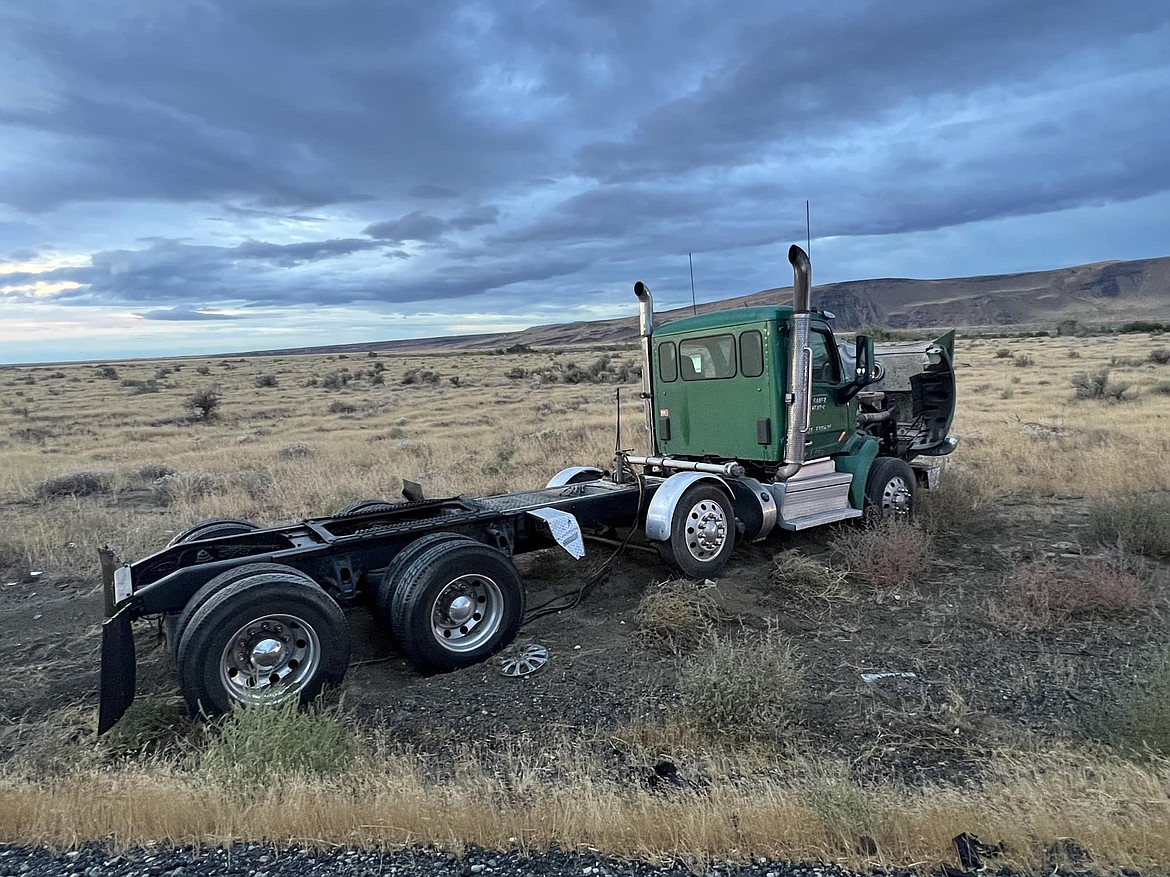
{"x":917,"y":682}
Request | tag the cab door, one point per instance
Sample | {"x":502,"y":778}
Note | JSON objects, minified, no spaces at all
{"x":830,"y":423}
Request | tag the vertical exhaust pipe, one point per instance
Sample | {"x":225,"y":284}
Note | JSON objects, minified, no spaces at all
{"x":646,"y":330}
{"x":798,"y":398}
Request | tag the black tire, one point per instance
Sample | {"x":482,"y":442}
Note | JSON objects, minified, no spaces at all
{"x":175,"y":624}
{"x":891,"y":490}
{"x":702,"y":533}
{"x":213,"y":528}
{"x":430,"y":633}
{"x":391,"y":579}
{"x":307,"y":639}
{"x":364,"y":507}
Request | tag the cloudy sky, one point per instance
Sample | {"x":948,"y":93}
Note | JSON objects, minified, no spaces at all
{"x":217,"y":175}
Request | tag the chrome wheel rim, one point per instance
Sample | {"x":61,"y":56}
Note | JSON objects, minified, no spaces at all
{"x":269,"y":659}
{"x":467,"y":613}
{"x":706,"y":530}
{"x":896,"y":497}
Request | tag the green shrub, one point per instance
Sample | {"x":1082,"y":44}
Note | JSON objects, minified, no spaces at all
{"x":1135,"y":326}
{"x":335,"y":380}
{"x":76,"y":484}
{"x":420,"y":376}
{"x":1098,"y":385}
{"x":1160,"y":356}
{"x":149,"y":726}
{"x":252,"y":748}
{"x":1139,"y":522}
{"x":204,"y":405}
{"x":743,"y":688}
{"x":805,"y":579}
{"x":1003,"y":353}
{"x":885,"y":554}
{"x":1144,"y":715}
{"x":1042,"y":593}
{"x":675,"y":616}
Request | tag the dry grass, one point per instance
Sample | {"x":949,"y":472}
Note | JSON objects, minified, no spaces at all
{"x":1043,"y":439}
{"x":328,"y":431}
{"x":301,"y":436}
{"x":781,"y":807}
{"x":962,"y":501}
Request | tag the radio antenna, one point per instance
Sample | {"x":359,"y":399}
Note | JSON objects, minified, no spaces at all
{"x":617,"y":439}
{"x":694,"y":307}
{"x":807,"y":229}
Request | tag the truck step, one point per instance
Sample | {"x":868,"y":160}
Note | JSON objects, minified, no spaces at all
{"x":824,"y":492}
{"x":804,"y":523}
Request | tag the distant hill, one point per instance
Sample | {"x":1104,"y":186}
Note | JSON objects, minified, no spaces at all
{"x":1096,"y":294}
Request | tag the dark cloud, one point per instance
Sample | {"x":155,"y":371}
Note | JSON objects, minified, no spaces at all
{"x":417,"y":226}
{"x":358,"y":154}
{"x":182,"y":314}
{"x":429,"y":192}
{"x":426,"y":228}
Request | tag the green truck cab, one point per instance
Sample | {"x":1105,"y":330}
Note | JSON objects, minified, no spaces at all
{"x":719,"y":384}
{"x":768,"y":403}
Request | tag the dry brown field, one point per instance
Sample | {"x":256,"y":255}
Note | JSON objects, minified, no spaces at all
{"x":1025,"y":626}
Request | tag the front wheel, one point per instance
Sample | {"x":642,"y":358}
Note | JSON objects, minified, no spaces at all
{"x":263,"y":639}
{"x":890,"y":490}
{"x":702,"y":533}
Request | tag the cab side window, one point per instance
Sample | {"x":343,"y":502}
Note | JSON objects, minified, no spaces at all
{"x":826,"y":367}
{"x":704,"y":359}
{"x":751,"y":354}
{"x":667,"y":362}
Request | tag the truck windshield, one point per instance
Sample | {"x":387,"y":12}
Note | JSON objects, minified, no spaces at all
{"x":826,"y":367}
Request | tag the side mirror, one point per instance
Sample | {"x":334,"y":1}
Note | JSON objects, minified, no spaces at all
{"x":865,"y":368}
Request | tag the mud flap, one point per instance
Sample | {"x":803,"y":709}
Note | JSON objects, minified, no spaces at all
{"x":118,"y":669}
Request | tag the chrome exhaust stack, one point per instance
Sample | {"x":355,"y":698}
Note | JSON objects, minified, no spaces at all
{"x":645,"y":331}
{"x":798,"y":398}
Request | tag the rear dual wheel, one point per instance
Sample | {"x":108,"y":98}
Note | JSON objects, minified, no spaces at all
{"x":213,"y":528}
{"x":451,"y":602}
{"x":261,"y":634}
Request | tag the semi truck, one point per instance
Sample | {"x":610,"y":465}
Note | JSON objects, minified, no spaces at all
{"x":759,"y":420}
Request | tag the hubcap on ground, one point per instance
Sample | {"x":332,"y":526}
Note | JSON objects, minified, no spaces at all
{"x":706,"y":529}
{"x":269,"y":660}
{"x":467,"y":613}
